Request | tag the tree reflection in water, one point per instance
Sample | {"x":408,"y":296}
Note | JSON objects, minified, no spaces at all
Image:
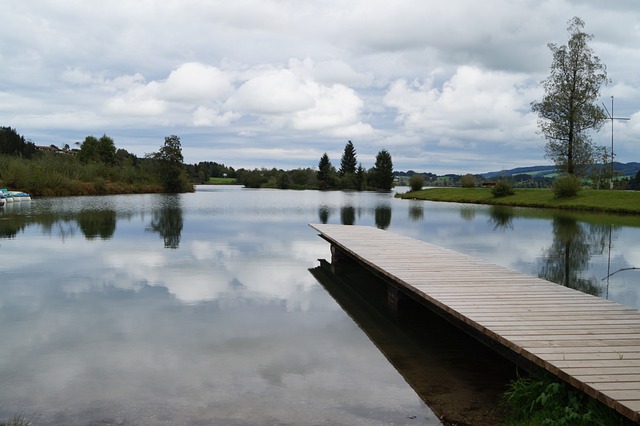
{"x":501,"y":217}
{"x":467,"y":213}
{"x":97,"y":223}
{"x":167,"y":221}
{"x":416,"y":210}
{"x":63,"y":225}
{"x":568,"y":256}
{"x":347,"y":215}
{"x":383,"y":216}
{"x":11,"y":228}
{"x":323,"y":214}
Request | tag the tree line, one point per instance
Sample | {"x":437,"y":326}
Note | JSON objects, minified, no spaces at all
{"x":96,"y":166}
{"x":350,"y":176}
{"x":11,"y":143}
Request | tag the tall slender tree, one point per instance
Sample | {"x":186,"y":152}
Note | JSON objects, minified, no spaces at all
{"x":635,"y":182}
{"x":173,"y":172}
{"x":325,"y":172}
{"x":361,"y":176}
{"x":349,"y":162}
{"x":568,"y":111}
{"x":382,"y":173}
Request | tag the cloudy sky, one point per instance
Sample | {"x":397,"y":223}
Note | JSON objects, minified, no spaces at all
{"x":445,"y":87}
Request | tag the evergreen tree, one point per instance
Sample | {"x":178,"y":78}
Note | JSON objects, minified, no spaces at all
{"x":382,"y":172}
{"x":12,"y":143}
{"x":361,"y":177}
{"x":325,"y":172}
{"x":567,"y":111}
{"x":635,"y":182}
{"x":348,"y":163}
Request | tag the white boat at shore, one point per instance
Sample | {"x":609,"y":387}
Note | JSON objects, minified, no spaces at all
{"x":13,"y":196}
{"x":23,"y":196}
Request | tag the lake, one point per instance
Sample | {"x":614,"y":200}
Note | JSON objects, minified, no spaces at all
{"x":201,"y":309}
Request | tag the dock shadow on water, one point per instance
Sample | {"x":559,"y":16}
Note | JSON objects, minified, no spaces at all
{"x":460,"y":379}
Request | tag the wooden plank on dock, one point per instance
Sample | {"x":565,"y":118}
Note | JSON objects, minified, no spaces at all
{"x":592,"y":343}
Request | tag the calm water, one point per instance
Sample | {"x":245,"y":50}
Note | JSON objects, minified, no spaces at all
{"x":200,"y":308}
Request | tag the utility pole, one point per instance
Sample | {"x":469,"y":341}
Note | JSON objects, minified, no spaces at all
{"x":610,"y":114}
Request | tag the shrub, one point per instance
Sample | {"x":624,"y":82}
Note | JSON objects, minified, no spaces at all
{"x":502,"y":188}
{"x":468,"y":181}
{"x":566,"y":186}
{"x":100,"y":185}
{"x":416,"y":182}
{"x":543,"y":400}
{"x":347,"y":181}
{"x":58,"y":174}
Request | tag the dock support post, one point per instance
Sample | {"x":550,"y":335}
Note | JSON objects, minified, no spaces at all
{"x":337,"y":255}
{"x":393,"y":299}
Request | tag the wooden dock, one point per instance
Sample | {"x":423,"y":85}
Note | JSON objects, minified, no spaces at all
{"x":591,"y":343}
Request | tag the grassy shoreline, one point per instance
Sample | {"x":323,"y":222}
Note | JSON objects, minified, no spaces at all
{"x":59,"y":175}
{"x":620,"y":202}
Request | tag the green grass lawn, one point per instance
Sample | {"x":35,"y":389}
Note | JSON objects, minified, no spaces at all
{"x":627,"y":202}
{"x":221,"y":181}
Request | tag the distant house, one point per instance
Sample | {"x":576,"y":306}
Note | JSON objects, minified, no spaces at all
{"x":53,"y":148}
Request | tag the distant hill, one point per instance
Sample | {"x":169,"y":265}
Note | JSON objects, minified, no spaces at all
{"x":532,"y":170}
{"x":624,"y":169}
